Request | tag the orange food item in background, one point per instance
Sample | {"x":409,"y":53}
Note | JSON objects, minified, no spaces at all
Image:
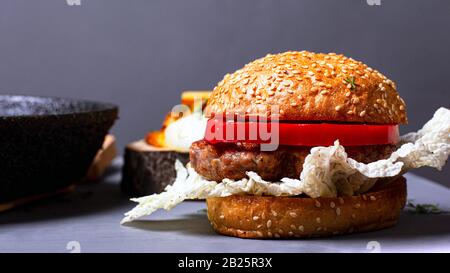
{"x":157,"y":138}
{"x":188,"y":98}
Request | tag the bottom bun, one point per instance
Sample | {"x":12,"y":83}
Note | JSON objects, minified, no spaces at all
{"x":267,"y":217}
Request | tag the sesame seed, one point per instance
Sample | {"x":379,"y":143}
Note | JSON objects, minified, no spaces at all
{"x":355,"y":100}
{"x":280,"y":231}
{"x":274,"y":213}
{"x":259,"y":226}
{"x":362,"y":114}
{"x":373,"y":198}
{"x":277,"y":235}
{"x":318,"y":220}
{"x":319,"y":228}
{"x":293,"y":214}
{"x":293,"y":227}
{"x":332,"y":204}
{"x":255,"y":218}
{"x":259,"y":234}
{"x":401,"y":107}
{"x":290,"y":233}
{"x":287,"y":83}
{"x":324,"y":92}
{"x":337,"y":108}
{"x":301,"y":228}
{"x":269,"y":234}
{"x":338,"y":211}
{"x":221,"y":216}
{"x":364,"y":197}
{"x":350,"y":112}
{"x":349,"y":86}
{"x":317,"y":204}
{"x":269,"y":223}
{"x":348,"y":94}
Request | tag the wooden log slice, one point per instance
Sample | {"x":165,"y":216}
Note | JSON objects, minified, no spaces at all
{"x":148,"y":169}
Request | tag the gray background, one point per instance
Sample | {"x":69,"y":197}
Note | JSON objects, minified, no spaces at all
{"x":141,"y":54}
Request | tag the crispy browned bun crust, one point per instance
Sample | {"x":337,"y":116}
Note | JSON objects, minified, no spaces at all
{"x":264,"y":217}
{"x":309,"y":86}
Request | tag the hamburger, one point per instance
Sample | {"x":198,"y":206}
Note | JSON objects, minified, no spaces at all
{"x":335,"y":162}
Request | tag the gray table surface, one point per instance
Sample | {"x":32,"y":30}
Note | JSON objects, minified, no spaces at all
{"x":87,"y":220}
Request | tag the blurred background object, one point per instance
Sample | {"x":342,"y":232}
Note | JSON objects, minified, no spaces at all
{"x":48,"y":144}
{"x":141,"y":54}
{"x":102,"y":160}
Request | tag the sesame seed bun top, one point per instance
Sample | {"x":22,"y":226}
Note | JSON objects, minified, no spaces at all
{"x":309,"y":86}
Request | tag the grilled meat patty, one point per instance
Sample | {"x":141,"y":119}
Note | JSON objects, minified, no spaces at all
{"x":231,"y":160}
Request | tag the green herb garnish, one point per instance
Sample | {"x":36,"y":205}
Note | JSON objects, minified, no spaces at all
{"x":424,"y":208}
{"x":351,"y":81}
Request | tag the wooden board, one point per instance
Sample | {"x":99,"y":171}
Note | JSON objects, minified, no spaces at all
{"x":103,"y":158}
